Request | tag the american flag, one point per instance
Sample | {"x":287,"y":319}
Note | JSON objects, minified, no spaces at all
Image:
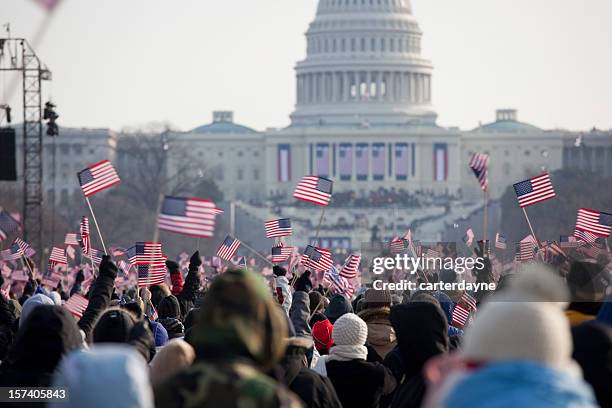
{"x":595,"y":222}
{"x":281,"y":253}
{"x":145,"y":253}
{"x":278,"y":228}
{"x":585,"y":236}
{"x":468,"y":238}
{"x":314,"y":189}
{"x":468,"y":301}
{"x":397,"y":245}
{"x":241,"y":263}
{"x":26,"y":249}
{"x":98,"y":177}
{"x":20,"y":275}
{"x":124,"y":267}
{"x":51,"y":277}
{"x":500,"y":241}
{"x":71,"y":239}
{"x":534,"y":190}
{"x":95,"y":255}
{"x":553,"y":252}
{"x":118,"y":251}
{"x":76,"y":305}
{"x":349,"y":269}
{"x":11,"y":254}
{"x":228,"y":248}
{"x":566,"y":241}
{"x":151,"y":274}
{"x":8,"y":225}
{"x":480,"y":166}
{"x":188,"y":216}
{"x":431,"y":253}
{"x":318,"y":258}
{"x":337,"y":283}
{"x":460,"y":316}
{"x":84,"y":230}
{"x":527,"y":248}
{"x":58,"y":256}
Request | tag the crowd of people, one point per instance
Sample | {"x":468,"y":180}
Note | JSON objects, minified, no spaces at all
{"x":541,"y":340}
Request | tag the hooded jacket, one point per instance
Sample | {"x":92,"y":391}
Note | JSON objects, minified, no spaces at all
{"x":381,"y":335}
{"x":421,"y":329}
{"x":519,"y":384}
{"x":239,"y":336}
{"x":593,"y":351}
{"x":338,"y":305}
{"x":104,"y":376}
{"x":48,"y":334}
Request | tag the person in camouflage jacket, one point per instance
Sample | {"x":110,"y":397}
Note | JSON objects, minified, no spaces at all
{"x":239,"y":336}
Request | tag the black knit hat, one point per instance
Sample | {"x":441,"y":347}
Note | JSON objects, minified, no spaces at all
{"x":113,"y":326}
{"x":169,"y":307}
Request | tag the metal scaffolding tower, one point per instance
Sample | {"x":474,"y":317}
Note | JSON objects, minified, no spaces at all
{"x":22,"y":58}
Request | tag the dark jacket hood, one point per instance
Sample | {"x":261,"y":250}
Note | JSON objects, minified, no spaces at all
{"x":42,"y":340}
{"x":240,"y":319}
{"x":421,"y":330}
{"x":338,"y":305}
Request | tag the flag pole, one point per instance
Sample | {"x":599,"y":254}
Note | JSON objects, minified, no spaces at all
{"x":530,"y":227}
{"x":256,"y":253}
{"x":485,"y":219}
{"x":24,"y":261}
{"x":96,"y":222}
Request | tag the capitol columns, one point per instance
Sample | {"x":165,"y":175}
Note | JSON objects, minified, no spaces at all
{"x":379,"y":85}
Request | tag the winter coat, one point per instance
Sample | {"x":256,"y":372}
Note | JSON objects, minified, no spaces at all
{"x":518,"y":384}
{"x":381,"y":335}
{"x":110,"y":375}
{"x":99,"y":294}
{"x":42,"y":340}
{"x":188,"y":295}
{"x":421,"y":329}
{"x":360,"y":383}
{"x":605,"y":312}
{"x":239,"y":336}
{"x":593,"y":351}
{"x":313,"y":389}
{"x":7,"y":325}
{"x":283,"y":293}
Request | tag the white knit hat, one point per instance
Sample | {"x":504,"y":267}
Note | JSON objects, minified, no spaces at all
{"x":526,"y":322}
{"x":350,"y":330}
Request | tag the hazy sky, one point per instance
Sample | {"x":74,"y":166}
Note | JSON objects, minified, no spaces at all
{"x":122,"y":63}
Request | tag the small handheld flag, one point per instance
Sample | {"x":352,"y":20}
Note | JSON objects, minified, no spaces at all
{"x":595,"y":222}
{"x":350,"y":267}
{"x":58,"y":256}
{"x":281,"y":253}
{"x":534,"y":190}
{"x":460,"y":316}
{"x":228,"y":248}
{"x":98,"y":177}
{"x":278,"y":228}
{"x":468,"y":238}
{"x":188,"y":216}
{"x":317,"y":258}
{"x":76,"y":305}
{"x":500,"y":241}
{"x":8,"y":225}
{"x":480,"y":166}
{"x":314,"y":189}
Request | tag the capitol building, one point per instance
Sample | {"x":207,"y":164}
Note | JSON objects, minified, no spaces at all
{"x":364,"y":117}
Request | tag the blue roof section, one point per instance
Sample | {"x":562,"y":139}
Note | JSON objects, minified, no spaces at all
{"x":508,"y":126}
{"x":223,"y":127}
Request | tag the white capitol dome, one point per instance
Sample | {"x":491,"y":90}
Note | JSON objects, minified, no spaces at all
{"x":363,"y":65}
